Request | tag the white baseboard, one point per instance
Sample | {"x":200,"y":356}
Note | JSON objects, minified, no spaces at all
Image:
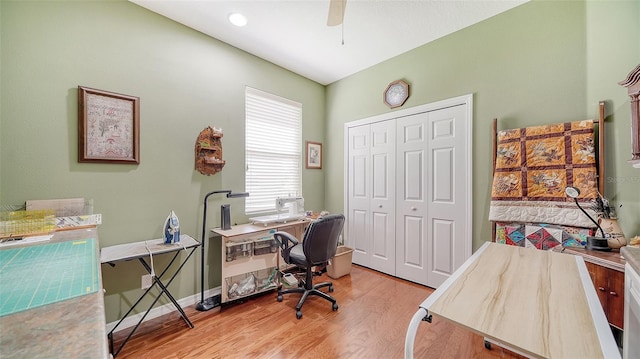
{"x":132,"y":320}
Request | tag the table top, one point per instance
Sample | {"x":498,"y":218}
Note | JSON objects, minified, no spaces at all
{"x":134,"y":250}
{"x":611,"y":259}
{"x":539,"y":303}
{"x":249,"y":228}
{"x":73,"y":328}
{"x":33,"y":276}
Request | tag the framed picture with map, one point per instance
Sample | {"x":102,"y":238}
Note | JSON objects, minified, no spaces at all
{"x":108,"y":127}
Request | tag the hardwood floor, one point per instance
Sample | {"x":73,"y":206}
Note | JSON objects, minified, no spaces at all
{"x":375,"y":310}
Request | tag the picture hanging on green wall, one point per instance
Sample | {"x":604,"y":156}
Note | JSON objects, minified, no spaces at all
{"x":108,"y":127}
{"x":314,"y":155}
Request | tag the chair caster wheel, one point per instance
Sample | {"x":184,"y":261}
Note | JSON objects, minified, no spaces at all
{"x":487,"y":344}
{"x":334,"y":307}
{"x":330,"y":288}
{"x":298,"y":314}
{"x":279,"y":298}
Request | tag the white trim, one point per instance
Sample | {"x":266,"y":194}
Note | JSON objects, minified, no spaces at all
{"x":132,"y":320}
{"x":451,"y":102}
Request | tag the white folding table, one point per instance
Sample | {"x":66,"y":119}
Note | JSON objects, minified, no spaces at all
{"x":539,"y":304}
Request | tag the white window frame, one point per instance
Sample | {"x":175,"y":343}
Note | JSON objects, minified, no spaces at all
{"x":273,"y":146}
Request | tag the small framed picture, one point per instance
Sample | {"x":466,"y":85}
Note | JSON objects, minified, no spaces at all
{"x":314,"y":155}
{"x":108,"y":127}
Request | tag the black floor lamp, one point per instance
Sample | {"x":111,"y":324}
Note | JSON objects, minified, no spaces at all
{"x":209,"y":303}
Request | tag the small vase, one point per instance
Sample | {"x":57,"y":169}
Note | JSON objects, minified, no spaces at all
{"x":612,"y":232}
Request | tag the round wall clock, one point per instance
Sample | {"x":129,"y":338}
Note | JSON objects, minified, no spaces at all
{"x":396,"y":94}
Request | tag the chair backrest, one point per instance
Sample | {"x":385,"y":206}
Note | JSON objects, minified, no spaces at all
{"x":321,"y":238}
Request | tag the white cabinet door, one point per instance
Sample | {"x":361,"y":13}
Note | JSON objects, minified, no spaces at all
{"x":383,"y":199}
{"x":359,"y":194}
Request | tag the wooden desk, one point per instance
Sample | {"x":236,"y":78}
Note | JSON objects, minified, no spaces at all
{"x":552,"y":312}
{"x":73,"y":328}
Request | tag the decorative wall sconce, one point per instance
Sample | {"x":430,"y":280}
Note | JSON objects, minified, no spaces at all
{"x":209,"y":151}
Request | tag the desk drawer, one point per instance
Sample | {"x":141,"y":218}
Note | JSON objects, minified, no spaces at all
{"x":242,"y":246}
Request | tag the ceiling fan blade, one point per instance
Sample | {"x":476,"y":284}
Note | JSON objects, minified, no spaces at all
{"x":336,"y":12}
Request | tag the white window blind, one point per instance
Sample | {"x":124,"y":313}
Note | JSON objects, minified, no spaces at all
{"x":273,"y":149}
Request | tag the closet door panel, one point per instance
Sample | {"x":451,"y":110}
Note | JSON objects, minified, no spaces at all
{"x":414,"y":175}
{"x":412,"y":256}
{"x":411,"y":206}
{"x":443,"y":234}
{"x":379,"y":238}
{"x":443,"y":175}
{"x":446,"y":184}
{"x":359,"y":182}
{"x":358,"y":233}
{"x":382,"y":222}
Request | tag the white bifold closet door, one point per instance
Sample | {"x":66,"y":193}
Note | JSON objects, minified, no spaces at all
{"x":408,"y":193}
{"x":372,"y":195}
{"x":431,"y":198}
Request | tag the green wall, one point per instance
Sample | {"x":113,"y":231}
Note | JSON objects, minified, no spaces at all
{"x":541,"y":62}
{"x":537,"y":63}
{"x":186,"y":81}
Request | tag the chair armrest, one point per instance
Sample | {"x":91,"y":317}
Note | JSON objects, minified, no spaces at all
{"x":286,"y":241}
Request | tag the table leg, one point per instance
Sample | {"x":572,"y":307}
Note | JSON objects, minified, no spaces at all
{"x":163,"y":288}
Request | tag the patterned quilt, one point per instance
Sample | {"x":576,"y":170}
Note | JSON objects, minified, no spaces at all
{"x":541,"y":236}
{"x":533,"y":167}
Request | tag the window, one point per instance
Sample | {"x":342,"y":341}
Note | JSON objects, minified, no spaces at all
{"x":273,"y":149}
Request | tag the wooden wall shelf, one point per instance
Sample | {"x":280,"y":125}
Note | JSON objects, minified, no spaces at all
{"x":208,"y":151}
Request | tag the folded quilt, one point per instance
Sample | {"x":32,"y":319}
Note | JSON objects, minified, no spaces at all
{"x":534,"y":165}
{"x":541,"y":235}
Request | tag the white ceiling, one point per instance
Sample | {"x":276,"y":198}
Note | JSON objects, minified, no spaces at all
{"x":294,"y":33}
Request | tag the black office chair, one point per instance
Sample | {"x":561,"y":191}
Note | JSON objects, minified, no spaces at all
{"x":319,"y":244}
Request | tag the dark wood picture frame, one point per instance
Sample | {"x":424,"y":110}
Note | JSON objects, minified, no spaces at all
{"x":314,"y":155}
{"x":108,"y":127}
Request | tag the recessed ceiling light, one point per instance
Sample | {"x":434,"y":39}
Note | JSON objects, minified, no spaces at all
{"x":237,"y":19}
